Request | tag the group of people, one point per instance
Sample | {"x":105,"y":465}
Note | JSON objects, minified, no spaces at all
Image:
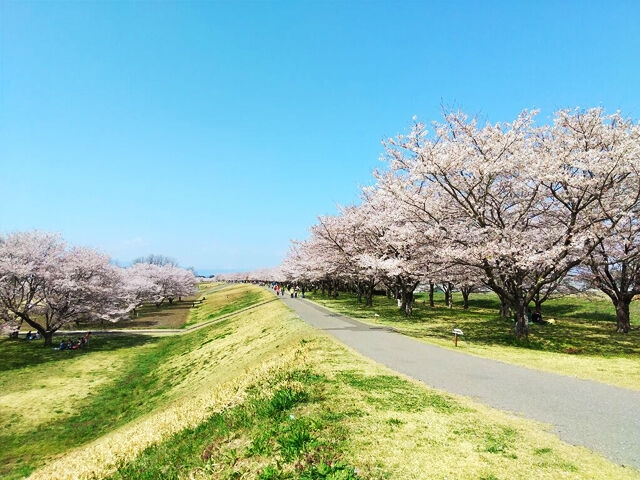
{"x":68,"y":344}
{"x":293,"y":292}
{"x":33,"y":336}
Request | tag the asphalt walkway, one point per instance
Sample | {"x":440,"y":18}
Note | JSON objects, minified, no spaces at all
{"x":600,"y":417}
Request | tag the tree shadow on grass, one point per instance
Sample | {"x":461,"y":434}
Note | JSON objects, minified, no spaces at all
{"x":16,"y":354}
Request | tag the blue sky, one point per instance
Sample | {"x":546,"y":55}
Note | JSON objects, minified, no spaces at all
{"x":215,"y":132}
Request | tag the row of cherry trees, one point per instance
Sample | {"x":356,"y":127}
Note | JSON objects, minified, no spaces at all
{"x":513,"y":207}
{"x":46,"y":284}
{"x":254,"y":276}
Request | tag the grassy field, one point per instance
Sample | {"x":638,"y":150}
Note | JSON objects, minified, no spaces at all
{"x":582,"y":342}
{"x":257,"y":395}
{"x":167,"y":315}
{"x":225,"y":301}
{"x":53,"y":401}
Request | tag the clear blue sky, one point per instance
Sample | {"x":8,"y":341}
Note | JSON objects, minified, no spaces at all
{"x":216,"y":132}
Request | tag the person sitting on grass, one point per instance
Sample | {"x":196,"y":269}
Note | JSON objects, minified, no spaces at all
{"x":537,"y":317}
{"x":28,"y":335}
{"x":64,"y":345}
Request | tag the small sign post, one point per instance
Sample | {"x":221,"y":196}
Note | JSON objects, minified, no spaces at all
{"x":456,"y":332}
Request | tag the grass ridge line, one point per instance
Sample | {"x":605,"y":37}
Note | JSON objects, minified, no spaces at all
{"x":164,"y":331}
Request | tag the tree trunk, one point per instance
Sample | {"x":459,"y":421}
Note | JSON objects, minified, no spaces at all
{"x":505,"y":309}
{"x":368,"y":296}
{"x":406,"y":302}
{"x":538,"y":305}
{"x":431,"y":290}
{"x":170,"y":301}
{"x":465,"y":298}
{"x":359,"y":292}
{"x":47,"y":335}
{"x":447,"y":288}
{"x":522,"y":321}
{"x":622,"y":316}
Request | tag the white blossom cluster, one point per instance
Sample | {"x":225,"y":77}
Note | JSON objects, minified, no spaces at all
{"x":46,"y":284}
{"x":510,"y":206}
{"x":259,"y":275}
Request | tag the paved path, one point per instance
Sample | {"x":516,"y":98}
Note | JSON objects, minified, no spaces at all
{"x":603,"y":418}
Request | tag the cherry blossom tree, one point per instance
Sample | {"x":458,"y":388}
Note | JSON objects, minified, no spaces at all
{"x":170,"y":282}
{"x":155,"y":259}
{"x":46,"y":284}
{"x":140,"y":285}
{"x":346,"y":241}
{"x":518,"y":202}
{"x":614,"y":267}
{"x":260,"y":275}
{"x":297,"y":265}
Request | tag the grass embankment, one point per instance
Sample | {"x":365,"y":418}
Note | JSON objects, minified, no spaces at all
{"x":166,"y":315}
{"x":257,"y":395}
{"x":52,"y":401}
{"x":224,"y":301}
{"x":333,"y":414}
{"x":582,"y":343}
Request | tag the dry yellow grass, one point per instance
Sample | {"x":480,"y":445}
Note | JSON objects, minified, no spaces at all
{"x":226,"y":300}
{"x":428,"y":444}
{"x":38,"y":394}
{"x":386,"y":439}
{"x":618,"y":371}
{"x":253,"y":346}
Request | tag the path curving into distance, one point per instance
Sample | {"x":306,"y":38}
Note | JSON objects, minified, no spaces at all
{"x":603,"y":418}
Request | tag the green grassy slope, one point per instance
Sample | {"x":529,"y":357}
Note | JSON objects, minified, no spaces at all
{"x":257,"y":395}
{"x":225,"y":301}
{"x":52,"y":401}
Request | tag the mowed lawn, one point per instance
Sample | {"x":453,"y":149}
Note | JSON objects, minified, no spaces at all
{"x":582,"y":342}
{"x":256,"y":395}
